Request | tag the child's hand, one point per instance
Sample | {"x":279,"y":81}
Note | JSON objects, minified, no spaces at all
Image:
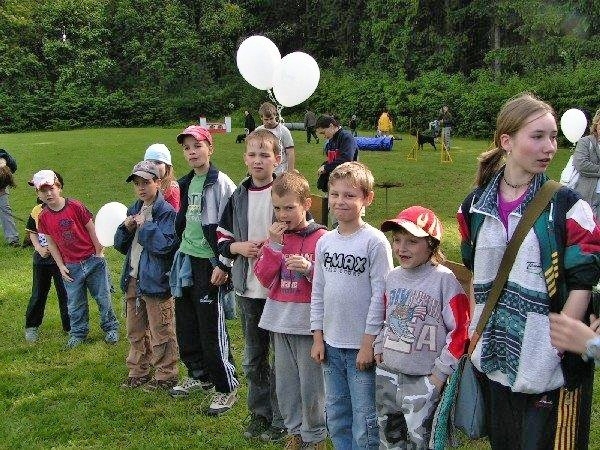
{"x":379,"y":358}
{"x":218,"y":277}
{"x":248,"y":249}
{"x":298,"y":263}
{"x":65,"y":273}
{"x":130,"y":223}
{"x":364,"y":359}
{"x":139,"y":219}
{"x":317,"y":352}
{"x":439,"y":384}
{"x":594,"y":323}
{"x":276,"y":232}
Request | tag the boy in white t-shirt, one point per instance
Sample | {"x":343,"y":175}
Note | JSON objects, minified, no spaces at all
{"x":243,"y":229}
{"x":268,"y":115}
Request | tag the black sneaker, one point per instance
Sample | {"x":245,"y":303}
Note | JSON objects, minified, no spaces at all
{"x":273,"y":434}
{"x":256,"y":427}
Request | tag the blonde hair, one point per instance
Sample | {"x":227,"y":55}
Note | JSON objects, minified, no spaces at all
{"x":511,"y":118}
{"x":264,"y":136}
{"x":291,"y":182}
{"x":356,"y":173}
{"x":437,"y":256}
{"x":169,"y":177}
{"x":594,"y":124}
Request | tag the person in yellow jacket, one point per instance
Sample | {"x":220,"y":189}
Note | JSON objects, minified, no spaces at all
{"x":384,"y":124}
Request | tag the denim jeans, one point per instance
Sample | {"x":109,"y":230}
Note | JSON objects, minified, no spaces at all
{"x":260,"y":372}
{"x":349,"y":401}
{"x":6,"y":218}
{"x":90,"y":274}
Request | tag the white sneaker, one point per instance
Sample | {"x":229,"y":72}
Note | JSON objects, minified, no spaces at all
{"x":221,"y":403}
{"x":31,"y":334}
{"x":188,"y":385}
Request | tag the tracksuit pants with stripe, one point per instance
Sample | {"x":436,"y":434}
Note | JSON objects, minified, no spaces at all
{"x":202,"y":334}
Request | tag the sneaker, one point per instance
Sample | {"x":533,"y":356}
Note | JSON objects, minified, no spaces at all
{"x":188,"y":385}
{"x":15,"y":244}
{"x":160,"y":385}
{"x":273,"y":434}
{"x":74,"y":341}
{"x":321,"y":445}
{"x":31,"y":334}
{"x":111,"y":337}
{"x":257,"y":426}
{"x":221,"y":403}
{"x":135,"y":382}
{"x":293,"y":442}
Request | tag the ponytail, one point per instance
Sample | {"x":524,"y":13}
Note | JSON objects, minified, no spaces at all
{"x":490,"y":162}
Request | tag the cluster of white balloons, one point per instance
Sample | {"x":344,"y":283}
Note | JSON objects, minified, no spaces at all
{"x":293,"y":78}
{"x":573,"y":124}
{"x":108,"y":219}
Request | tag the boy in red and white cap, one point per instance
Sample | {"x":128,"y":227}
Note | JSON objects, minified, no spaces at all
{"x":425,"y":331}
{"x":197,"y":274}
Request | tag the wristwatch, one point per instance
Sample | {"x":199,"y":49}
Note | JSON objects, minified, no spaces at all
{"x":592,"y":349}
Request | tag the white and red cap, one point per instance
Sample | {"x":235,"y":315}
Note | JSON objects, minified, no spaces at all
{"x":418,"y":221}
{"x":43,"y":178}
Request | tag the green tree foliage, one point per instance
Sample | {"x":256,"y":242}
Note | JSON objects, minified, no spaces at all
{"x":74,"y":63}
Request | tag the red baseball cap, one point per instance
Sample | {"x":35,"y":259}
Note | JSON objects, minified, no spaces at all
{"x":197,"y":132}
{"x":418,"y":221}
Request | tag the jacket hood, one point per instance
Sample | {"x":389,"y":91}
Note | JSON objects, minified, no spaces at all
{"x":309,"y":229}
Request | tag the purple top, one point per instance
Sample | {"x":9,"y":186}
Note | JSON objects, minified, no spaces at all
{"x":506,"y":207}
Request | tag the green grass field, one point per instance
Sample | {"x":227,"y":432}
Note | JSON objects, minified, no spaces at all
{"x":54,"y":398}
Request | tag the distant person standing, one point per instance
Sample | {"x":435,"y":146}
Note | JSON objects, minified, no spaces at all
{"x":586,"y":159}
{"x":268,"y":114}
{"x":340,"y":148}
{"x":385,"y":126}
{"x":8,"y":166}
{"x":249,"y":122}
{"x":310,"y":123}
{"x":447,"y":122}
{"x":353,"y":125}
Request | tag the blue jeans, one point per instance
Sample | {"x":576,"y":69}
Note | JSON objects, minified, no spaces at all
{"x":349,"y":401}
{"x":90,"y":274}
{"x":6,"y":218}
{"x":259,"y":370}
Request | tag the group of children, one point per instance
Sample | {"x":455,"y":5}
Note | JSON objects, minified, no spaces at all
{"x":337,"y":341}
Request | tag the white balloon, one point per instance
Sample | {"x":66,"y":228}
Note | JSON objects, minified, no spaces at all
{"x":256,"y":59}
{"x":296,"y":78}
{"x":108,"y":219}
{"x":573,"y":123}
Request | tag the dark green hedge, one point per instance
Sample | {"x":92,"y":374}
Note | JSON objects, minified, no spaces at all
{"x":474,"y":101}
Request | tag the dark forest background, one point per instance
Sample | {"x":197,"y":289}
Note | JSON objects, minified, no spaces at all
{"x":101,"y":63}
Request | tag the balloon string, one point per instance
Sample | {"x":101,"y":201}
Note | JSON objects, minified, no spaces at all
{"x":279,"y":107}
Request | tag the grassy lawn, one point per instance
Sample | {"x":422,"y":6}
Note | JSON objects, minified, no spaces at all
{"x":51,"y":397}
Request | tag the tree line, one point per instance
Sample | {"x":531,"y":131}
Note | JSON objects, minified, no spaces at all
{"x":81,"y":63}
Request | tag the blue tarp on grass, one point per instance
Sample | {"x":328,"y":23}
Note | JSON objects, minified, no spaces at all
{"x":383,"y":143}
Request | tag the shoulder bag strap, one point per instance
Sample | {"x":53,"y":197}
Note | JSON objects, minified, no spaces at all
{"x":532,"y":212}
